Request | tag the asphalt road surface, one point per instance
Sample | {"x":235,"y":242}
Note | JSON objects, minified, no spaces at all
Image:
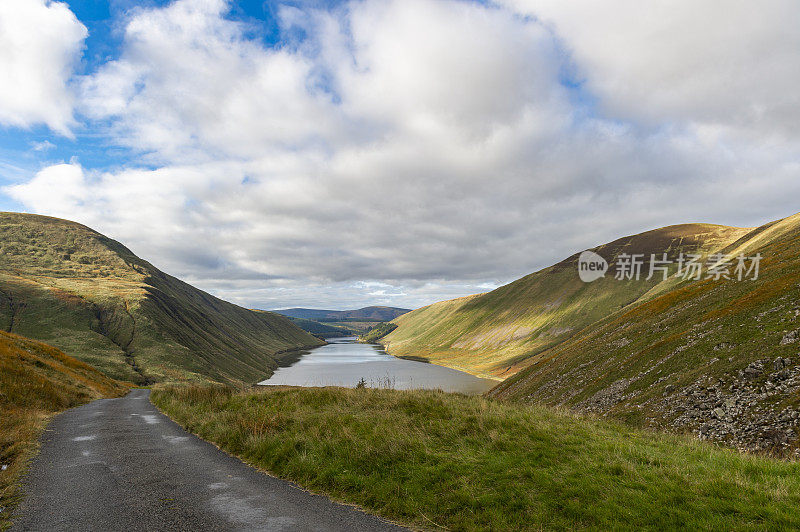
{"x":119,"y":464}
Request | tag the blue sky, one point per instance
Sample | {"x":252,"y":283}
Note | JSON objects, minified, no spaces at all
{"x":104,"y":20}
{"x":23,"y":151}
{"x":393,"y":151}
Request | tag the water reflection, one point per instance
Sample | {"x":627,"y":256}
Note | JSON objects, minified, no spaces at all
{"x":344,"y":362}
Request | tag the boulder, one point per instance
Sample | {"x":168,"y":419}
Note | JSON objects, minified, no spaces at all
{"x":790,"y":337}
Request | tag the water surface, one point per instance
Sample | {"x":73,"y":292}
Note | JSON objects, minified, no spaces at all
{"x":345,"y":361}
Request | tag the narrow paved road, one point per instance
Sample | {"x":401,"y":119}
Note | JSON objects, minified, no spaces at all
{"x":119,"y":464}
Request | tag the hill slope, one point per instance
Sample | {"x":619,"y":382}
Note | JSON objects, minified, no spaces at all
{"x":323,"y":330}
{"x":70,"y":286}
{"x":498,"y":333}
{"x":37,"y":380}
{"x":366,"y":313}
{"x":718,"y":358}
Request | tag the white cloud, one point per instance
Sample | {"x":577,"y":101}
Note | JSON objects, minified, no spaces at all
{"x":407,"y":151}
{"x":44,"y":145}
{"x":719,"y":64}
{"x":40,"y":42}
{"x":66,"y":180}
{"x":189,"y":85}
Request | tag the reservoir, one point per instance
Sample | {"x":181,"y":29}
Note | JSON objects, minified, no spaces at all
{"x":345,"y":361}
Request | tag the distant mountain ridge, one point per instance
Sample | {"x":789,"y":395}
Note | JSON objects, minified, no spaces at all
{"x":323,"y":330}
{"x":368,"y":313}
{"x":69,"y":286}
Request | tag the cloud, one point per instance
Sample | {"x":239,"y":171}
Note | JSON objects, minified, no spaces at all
{"x":40,"y":43}
{"x":44,"y":145}
{"x":720,"y":65}
{"x":399,"y":152}
{"x":191,"y":86}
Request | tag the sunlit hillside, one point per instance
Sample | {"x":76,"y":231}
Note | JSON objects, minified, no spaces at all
{"x":720,"y":358}
{"x":74,"y":288}
{"x":500,"y":332}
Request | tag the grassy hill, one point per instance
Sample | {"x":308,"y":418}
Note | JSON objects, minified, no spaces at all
{"x":717,"y":358}
{"x":438,"y":461}
{"x":37,"y":380}
{"x":375,"y":313}
{"x":88,"y":295}
{"x":500,"y":332}
{"x":376,"y":333}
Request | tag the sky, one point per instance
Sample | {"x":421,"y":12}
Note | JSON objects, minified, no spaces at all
{"x":394,"y":152}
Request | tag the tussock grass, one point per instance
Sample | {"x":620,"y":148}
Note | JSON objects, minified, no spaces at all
{"x":443,"y":461}
{"x":36,"y":381}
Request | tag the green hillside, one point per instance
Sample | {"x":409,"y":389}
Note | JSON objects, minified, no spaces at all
{"x":376,"y":333}
{"x":717,"y":358}
{"x":500,"y":332}
{"x":323,"y":330}
{"x":88,"y":295}
{"x":37,"y":380}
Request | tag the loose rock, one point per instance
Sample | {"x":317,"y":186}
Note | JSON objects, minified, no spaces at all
{"x":790,"y":337}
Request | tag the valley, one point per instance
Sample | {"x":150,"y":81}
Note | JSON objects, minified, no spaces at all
{"x":340,"y":323}
{"x":550,"y":373}
{"x":383,"y":265}
{"x":714,"y":357}
{"x":369,"y":314}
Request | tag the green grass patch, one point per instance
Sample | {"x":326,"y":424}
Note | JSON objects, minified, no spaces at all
{"x":377,"y":332}
{"x":430,"y":459}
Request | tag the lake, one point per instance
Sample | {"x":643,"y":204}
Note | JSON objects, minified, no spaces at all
{"x":345,"y":361}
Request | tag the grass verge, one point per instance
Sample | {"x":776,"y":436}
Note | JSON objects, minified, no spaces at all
{"x":434,"y":460}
